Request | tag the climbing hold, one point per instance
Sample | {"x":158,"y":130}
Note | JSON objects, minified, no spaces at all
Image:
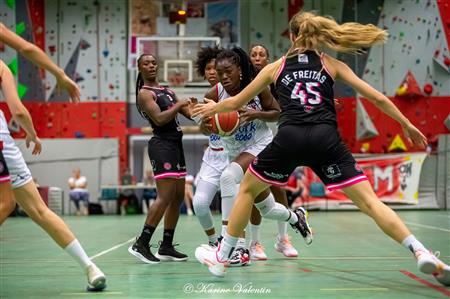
{"x":397,"y":145}
{"x":428,"y":88}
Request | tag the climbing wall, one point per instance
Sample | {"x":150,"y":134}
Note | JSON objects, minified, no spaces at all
{"x":417,"y":43}
{"x":89,"y":41}
{"x":427,"y":114}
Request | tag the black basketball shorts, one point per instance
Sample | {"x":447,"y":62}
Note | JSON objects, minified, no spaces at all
{"x":4,"y":173}
{"x":318,"y":146}
{"x":167,"y":158}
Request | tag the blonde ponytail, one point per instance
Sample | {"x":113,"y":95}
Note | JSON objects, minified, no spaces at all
{"x":314,"y":32}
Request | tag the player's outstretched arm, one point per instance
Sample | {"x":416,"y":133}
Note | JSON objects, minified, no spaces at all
{"x":345,"y":73}
{"x":38,"y":57}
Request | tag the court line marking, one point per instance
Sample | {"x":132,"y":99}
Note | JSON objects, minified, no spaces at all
{"x":28,"y":261}
{"x":356,"y":289}
{"x":117,"y":246}
{"x":427,"y":226}
{"x":91,"y":293}
{"x":425,"y":282}
{"x":111,"y":249}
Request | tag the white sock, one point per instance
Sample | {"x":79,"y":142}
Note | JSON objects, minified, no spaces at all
{"x":224,"y":230}
{"x":282,"y":229}
{"x":241,"y":243}
{"x":227,"y":247}
{"x":78,"y":254}
{"x":212,"y":238}
{"x":255,"y":233}
{"x":293,"y":217}
{"x":412,"y":244}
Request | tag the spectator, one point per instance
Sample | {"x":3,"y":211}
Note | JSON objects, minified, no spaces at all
{"x":79,"y":192}
{"x":127,"y":197}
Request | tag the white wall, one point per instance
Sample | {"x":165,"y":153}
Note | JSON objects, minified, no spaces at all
{"x":98,"y":160}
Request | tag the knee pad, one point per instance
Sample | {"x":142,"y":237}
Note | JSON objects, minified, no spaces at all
{"x":266,"y":206}
{"x":230,"y":178}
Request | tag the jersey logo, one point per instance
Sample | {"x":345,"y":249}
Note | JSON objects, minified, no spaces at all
{"x":303,"y":58}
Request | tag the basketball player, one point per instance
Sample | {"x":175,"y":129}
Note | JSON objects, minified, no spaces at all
{"x":160,"y":106}
{"x":259,"y":56}
{"x":15,"y":177}
{"x":214,"y":158}
{"x":235,"y":71}
{"x":304,"y":82}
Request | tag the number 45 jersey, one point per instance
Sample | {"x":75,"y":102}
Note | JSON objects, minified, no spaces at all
{"x":305,"y":91}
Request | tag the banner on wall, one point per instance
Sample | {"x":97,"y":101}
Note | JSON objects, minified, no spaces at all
{"x":394,"y":178}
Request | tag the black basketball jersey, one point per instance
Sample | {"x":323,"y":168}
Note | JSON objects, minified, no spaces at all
{"x":305,"y":91}
{"x":165,"y":99}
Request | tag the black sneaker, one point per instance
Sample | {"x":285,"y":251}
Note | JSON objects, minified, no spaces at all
{"x":169,"y":253}
{"x":213,"y":244}
{"x":143,"y":253}
{"x":302,"y":225}
{"x":240,"y":257}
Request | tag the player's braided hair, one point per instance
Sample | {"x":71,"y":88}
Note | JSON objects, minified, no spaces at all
{"x":139,"y":84}
{"x":240,"y":58}
{"x":204,"y":56}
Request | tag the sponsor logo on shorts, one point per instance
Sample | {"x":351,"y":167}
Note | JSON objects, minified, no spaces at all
{"x":167,"y":166}
{"x":357,"y":167}
{"x":332,"y":171}
{"x":2,"y":167}
{"x":255,"y":161}
{"x":153,"y":164}
{"x":277,"y":176}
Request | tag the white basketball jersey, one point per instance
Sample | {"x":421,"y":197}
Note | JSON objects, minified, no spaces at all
{"x":247,"y":135}
{"x":3,"y":124}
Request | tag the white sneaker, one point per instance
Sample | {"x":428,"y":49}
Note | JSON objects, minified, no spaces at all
{"x":428,"y":263}
{"x":284,"y":246}
{"x":208,"y":257}
{"x":96,"y":279}
{"x":257,"y":252}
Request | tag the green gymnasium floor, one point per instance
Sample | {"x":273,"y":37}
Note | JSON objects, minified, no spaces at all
{"x":349,"y":258}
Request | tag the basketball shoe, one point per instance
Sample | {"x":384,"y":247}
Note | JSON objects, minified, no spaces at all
{"x":143,"y":252}
{"x":96,"y":278}
{"x":284,"y":246}
{"x":428,"y":263}
{"x":302,"y":225}
{"x":257,"y":252}
{"x":208,"y":257}
{"x":169,"y":253}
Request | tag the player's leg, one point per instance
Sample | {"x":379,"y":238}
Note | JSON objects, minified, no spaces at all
{"x":204,"y":194}
{"x":256,"y":249}
{"x":390,"y":223}
{"x":141,"y":247}
{"x":167,"y":251}
{"x":282,"y":244}
{"x":29,"y":199}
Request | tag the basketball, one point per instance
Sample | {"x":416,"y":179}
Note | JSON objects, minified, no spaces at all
{"x":225,"y":123}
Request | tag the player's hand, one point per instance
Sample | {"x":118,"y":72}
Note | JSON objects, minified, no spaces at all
{"x":414,"y":136}
{"x":206,"y":109}
{"x":247,"y":115}
{"x":37,"y":144}
{"x":71,"y":87}
{"x":205,"y":126}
